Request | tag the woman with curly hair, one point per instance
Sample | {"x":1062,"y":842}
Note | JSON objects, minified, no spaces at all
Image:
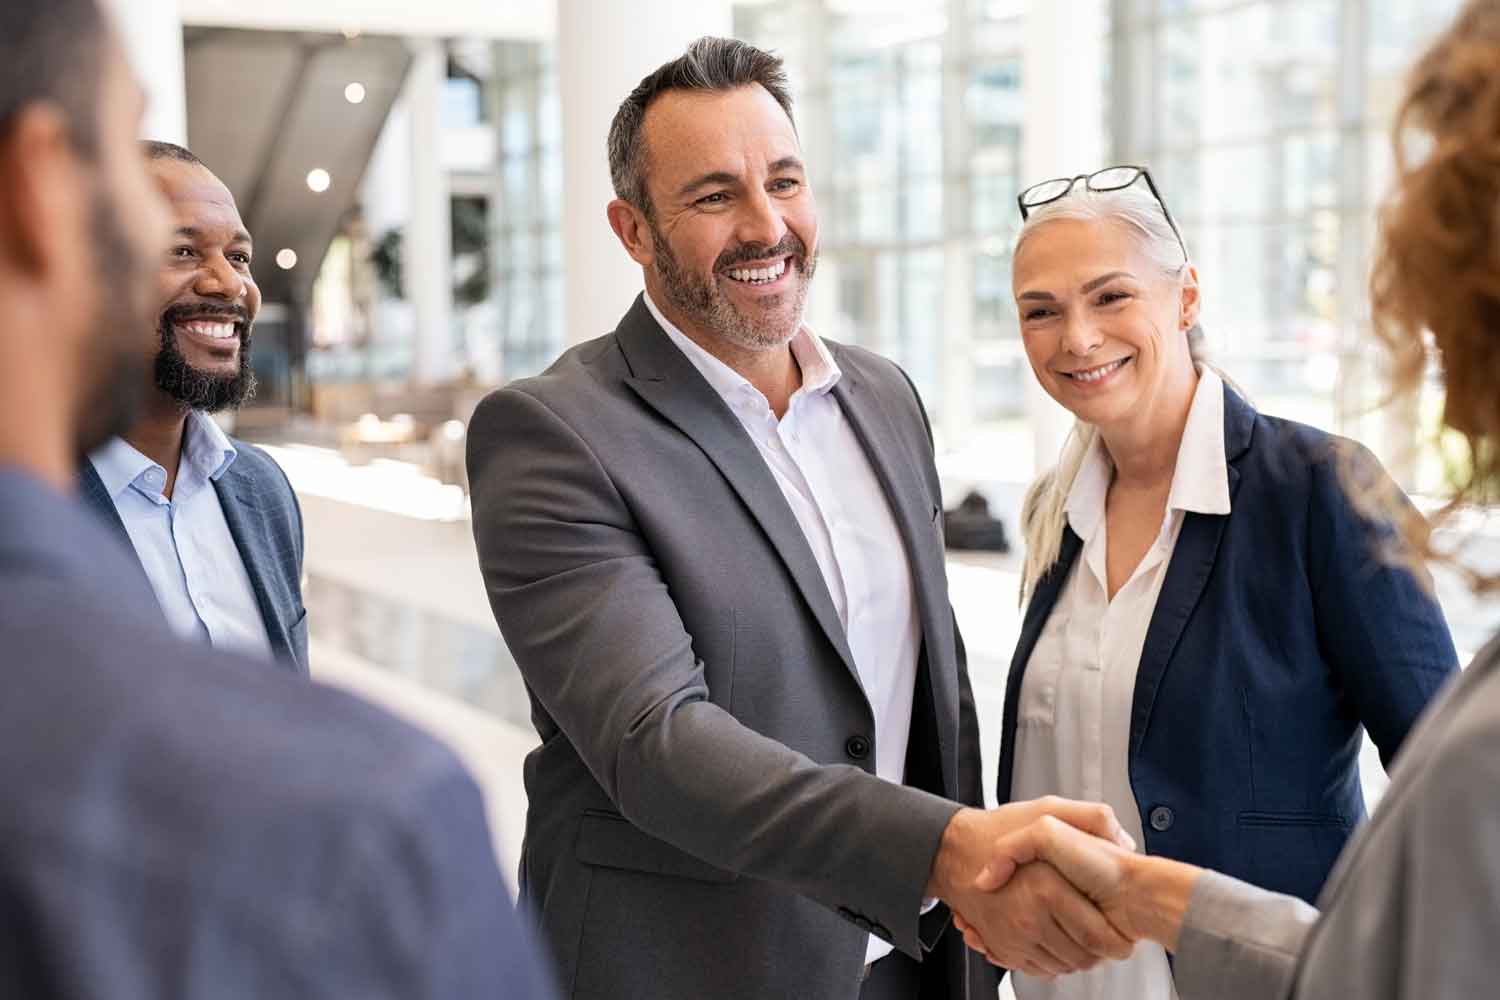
{"x":1412,"y":908}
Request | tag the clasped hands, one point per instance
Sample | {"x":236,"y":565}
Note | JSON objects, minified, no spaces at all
{"x":1040,"y":886}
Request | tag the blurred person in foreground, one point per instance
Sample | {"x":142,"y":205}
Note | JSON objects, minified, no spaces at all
{"x":1412,"y":910}
{"x":712,"y":542}
{"x":1211,"y":627}
{"x":213,"y":521}
{"x":178,"y":822}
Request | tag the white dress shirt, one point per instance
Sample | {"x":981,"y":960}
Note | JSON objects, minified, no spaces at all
{"x":184,"y":543}
{"x":827,"y":480}
{"x":1073,"y":726}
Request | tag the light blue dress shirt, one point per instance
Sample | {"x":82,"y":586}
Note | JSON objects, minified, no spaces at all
{"x":184,"y":543}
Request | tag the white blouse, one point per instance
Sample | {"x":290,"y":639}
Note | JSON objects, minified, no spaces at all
{"x":1073,"y":726}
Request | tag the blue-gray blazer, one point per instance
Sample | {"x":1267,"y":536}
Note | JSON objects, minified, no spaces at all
{"x":1279,"y":632}
{"x":266,"y":524}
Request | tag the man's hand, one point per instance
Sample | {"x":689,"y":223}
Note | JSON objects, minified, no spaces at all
{"x":1141,"y":897}
{"x":1039,"y":924}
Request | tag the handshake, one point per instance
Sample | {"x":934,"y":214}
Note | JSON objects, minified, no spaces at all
{"x":1053,"y":886}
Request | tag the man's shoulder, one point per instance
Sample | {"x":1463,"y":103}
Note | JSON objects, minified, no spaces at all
{"x":869,"y":366}
{"x":192,"y":760}
{"x":255,"y":463}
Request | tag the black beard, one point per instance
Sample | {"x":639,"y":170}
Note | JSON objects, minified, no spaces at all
{"x":706,"y":304}
{"x":195,"y":388}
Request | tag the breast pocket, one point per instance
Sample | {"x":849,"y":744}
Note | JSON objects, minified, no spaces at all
{"x":1039,"y":685}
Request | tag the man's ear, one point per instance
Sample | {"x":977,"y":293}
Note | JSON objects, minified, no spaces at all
{"x":629,"y":224}
{"x":40,"y":188}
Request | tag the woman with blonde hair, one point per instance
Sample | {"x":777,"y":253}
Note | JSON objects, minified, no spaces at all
{"x":1413,"y":908}
{"x":1209,"y":624}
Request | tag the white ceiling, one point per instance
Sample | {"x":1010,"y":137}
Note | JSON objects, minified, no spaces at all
{"x":519,"y":19}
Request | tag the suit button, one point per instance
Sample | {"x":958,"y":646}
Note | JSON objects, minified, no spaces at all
{"x":857,"y":747}
{"x":1162,"y":819}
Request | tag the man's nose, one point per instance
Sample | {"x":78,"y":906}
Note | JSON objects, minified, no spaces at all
{"x":218,"y":278}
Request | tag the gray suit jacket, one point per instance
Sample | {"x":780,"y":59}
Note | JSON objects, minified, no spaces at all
{"x":180,"y":823}
{"x":704,"y":818}
{"x":1411,"y":912}
{"x":266,"y":524}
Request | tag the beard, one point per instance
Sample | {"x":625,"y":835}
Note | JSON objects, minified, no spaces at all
{"x":114,"y":372}
{"x":194,"y":388}
{"x":704,"y":302}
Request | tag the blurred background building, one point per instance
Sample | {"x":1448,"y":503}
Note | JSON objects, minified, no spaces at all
{"x":426,"y":187}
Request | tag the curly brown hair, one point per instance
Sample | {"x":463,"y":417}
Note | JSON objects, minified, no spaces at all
{"x":1437,"y":260}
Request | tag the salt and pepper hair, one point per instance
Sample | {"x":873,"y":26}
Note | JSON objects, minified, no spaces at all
{"x":1043,"y":511}
{"x":709,"y":64}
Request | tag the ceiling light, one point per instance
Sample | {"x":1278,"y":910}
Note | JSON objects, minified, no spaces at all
{"x":318,"y":180}
{"x":286,"y":258}
{"x":354,"y":93}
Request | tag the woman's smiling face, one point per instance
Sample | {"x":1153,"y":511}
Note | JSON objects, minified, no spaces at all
{"x":1104,"y":328}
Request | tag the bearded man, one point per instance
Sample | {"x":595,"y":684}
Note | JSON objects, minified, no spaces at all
{"x":713,"y":543}
{"x":213,"y":521}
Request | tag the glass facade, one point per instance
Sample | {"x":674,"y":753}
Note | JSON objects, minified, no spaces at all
{"x":1265,"y":122}
{"x":1267,"y":125}
{"x":527,"y":252}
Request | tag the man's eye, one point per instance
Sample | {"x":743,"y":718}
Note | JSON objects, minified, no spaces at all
{"x":717,"y":198}
{"x":181,"y":253}
{"x":786,"y":184}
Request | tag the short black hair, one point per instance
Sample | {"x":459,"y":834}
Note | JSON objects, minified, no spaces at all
{"x":156,"y":149}
{"x":716,"y":64}
{"x":52,"y":50}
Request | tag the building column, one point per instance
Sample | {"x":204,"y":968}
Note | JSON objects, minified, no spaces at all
{"x":151,"y":31}
{"x":604,"y":49}
{"x":427,"y":252}
{"x":1064,"y":86}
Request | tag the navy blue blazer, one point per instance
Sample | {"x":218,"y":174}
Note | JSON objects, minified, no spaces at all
{"x":266,"y":524}
{"x":1278,"y":632}
{"x":182,"y":822}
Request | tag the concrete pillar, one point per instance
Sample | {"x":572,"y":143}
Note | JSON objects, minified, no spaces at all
{"x":1063,"y":136}
{"x":151,"y":31}
{"x":604,"y":49}
{"x":427,"y":252}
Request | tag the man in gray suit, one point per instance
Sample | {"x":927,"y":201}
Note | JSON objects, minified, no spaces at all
{"x":178,"y":822}
{"x":712,"y":540}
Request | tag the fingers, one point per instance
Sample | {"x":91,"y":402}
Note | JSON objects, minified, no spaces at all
{"x":1010,"y":853}
{"x":1087,"y":928}
{"x":1041,"y":925}
{"x":1090,"y":817}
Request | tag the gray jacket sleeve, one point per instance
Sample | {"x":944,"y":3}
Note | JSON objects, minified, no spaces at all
{"x":1410,"y":912}
{"x":1239,"y":941}
{"x":586,"y":612}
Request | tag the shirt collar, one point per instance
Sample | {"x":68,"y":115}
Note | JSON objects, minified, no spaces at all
{"x":820,"y":372}
{"x":1200,"y":481}
{"x":206,"y":449}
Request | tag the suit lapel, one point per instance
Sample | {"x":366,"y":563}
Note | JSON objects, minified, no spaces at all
{"x":666,"y":381}
{"x":896,"y":469}
{"x":238,"y":498}
{"x":915,"y":514}
{"x":1187,"y":574}
{"x":1038,"y":610}
{"x":94,"y":495}
{"x":92,"y":492}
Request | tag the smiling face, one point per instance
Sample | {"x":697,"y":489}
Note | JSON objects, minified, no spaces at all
{"x":1104,"y":328}
{"x":730,"y":245}
{"x":206,"y":299}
